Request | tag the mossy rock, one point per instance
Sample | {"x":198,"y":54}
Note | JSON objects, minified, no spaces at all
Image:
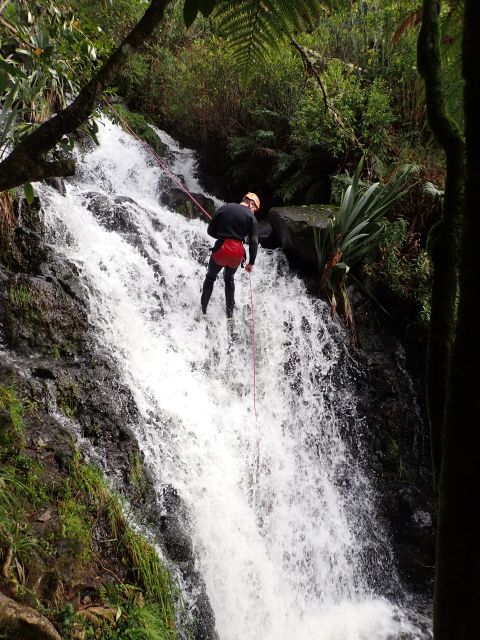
{"x":293,"y":229}
{"x":139,"y":125}
{"x":41,"y":316}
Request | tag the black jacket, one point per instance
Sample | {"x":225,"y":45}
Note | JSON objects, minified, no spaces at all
{"x":235,"y":221}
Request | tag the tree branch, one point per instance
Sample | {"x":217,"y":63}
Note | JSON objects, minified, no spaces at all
{"x":443,"y":238}
{"x":310,"y":69}
{"x":32,"y":149}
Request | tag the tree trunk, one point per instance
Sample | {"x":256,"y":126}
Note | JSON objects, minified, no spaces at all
{"x":443,"y":240}
{"x":457,"y":584}
{"x":26,"y":163}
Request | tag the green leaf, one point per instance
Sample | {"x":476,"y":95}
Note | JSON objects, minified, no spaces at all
{"x":29,"y":192}
{"x":255,"y":28}
{"x":67,"y":143}
{"x":11,"y":69}
{"x":3,"y":80}
{"x":190,"y":10}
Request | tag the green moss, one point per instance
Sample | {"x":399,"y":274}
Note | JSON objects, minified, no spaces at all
{"x":21,"y":299}
{"x":68,"y":399}
{"x":22,"y":310}
{"x":396,"y":455}
{"x":76,"y":528}
{"x":12,"y":429}
{"x":136,"y":475}
{"x":83,"y":503}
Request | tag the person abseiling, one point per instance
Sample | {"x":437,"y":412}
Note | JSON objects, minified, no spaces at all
{"x":230,"y":225}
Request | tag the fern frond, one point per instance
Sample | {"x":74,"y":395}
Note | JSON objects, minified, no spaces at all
{"x":262,"y":134}
{"x":413,"y":19}
{"x":240,"y":145}
{"x":255,"y":28}
{"x":264,"y":152}
{"x":293,"y":185}
{"x":283,"y":163}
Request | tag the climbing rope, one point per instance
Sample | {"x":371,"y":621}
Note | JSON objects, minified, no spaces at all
{"x":177,"y":181}
{"x":254,"y":360}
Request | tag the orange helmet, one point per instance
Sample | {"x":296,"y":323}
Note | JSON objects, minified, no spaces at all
{"x":254,"y":198}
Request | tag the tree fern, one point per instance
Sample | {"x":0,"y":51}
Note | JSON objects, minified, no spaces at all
{"x":255,"y":27}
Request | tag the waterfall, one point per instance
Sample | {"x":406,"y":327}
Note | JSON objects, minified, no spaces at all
{"x":295,"y":553}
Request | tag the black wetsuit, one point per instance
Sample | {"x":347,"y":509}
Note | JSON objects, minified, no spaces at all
{"x":235,"y":221}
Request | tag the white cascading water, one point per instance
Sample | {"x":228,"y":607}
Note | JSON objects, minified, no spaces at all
{"x":294,"y":554}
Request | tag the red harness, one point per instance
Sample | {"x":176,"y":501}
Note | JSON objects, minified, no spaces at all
{"x":230,"y":254}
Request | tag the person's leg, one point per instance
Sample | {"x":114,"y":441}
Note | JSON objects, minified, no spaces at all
{"x":212,"y":273}
{"x":228,"y":274}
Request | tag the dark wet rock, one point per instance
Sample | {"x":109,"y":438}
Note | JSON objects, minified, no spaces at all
{"x":58,"y":184}
{"x":173,"y":527}
{"x":29,"y":215}
{"x":124,"y":200}
{"x":266,"y":237}
{"x":293,"y":231}
{"x":43,"y":372}
{"x":204,"y":617}
{"x":31,"y":248}
{"x":167,"y":182}
{"x":98,"y":203}
{"x":395,"y":446}
{"x":40,"y":317}
{"x":113,"y":213}
{"x":177,"y":200}
{"x":21,"y":243}
{"x":177,"y":543}
{"x":157,"y":225}
{"x":67,"y":276}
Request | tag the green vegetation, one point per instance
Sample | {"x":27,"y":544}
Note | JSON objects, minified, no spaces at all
{"x":136,"y":474}
{"x":403,"y":267}
{"x":68,"y":399}
{"x":353,"y":231}
{"x":80,"y":514}
{"x":312,"y":104}
{"x":21,"y":300}
{"x":349,"y":87}
{"x":12,"y":432}
{"x":44,"y":58}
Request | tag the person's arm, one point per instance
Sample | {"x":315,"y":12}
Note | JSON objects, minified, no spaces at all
{"x":252,"y":244}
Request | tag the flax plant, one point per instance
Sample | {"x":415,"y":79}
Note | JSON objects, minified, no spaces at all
{"x":354,"y":231}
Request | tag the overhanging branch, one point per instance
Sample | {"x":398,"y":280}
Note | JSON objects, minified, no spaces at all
{"x":32,"y":150}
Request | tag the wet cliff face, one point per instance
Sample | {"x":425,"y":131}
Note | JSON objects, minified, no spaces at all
{"x":59,"y":369}
{"x":73,"y":398}
{"x":48,"y":349}
{"x":391,"y":393}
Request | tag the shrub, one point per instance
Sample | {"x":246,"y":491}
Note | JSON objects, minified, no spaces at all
{"x":354,"y":231}
{"x":402,"y":267}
